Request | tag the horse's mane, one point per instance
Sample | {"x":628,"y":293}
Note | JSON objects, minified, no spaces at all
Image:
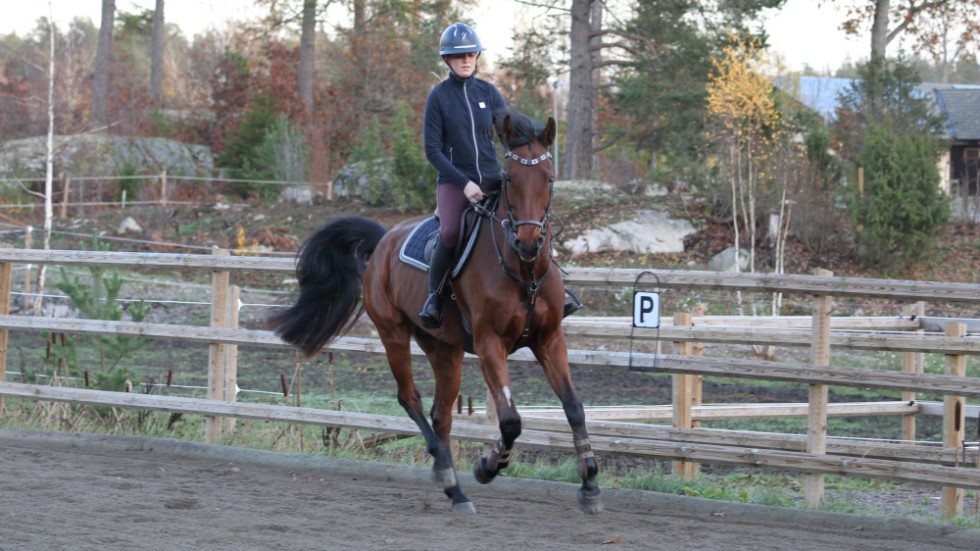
{"x":524,"y":129}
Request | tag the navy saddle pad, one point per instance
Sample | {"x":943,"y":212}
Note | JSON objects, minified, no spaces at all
{"x":417,"y":248}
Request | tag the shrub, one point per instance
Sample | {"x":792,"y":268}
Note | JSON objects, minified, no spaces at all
{"x":129,"y":186}
{"x":414,"y":178}
{"x":902,"y":210}
{"x":367,"y":161}
{"x":281,"y":156}
{"x":97,"y":299}
{"x":404,"y":179}
{"x":240,"y":154}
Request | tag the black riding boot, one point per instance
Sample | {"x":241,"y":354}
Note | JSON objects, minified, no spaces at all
{"x":572,"y":304}
{"x":431,"y":314}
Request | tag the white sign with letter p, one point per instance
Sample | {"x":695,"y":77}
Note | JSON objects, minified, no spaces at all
{"x":646,"y":309}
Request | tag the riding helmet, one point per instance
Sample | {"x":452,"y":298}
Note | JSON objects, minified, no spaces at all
{"x":459,"y":38}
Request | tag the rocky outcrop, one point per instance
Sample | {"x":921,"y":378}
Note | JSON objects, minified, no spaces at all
{"x":99,"y":154}
{"x":648,"y":232}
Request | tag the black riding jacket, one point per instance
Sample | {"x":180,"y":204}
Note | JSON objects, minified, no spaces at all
{"x":459,"y":130}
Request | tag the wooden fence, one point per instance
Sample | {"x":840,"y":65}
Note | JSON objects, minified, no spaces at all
{"x":813,"y":454}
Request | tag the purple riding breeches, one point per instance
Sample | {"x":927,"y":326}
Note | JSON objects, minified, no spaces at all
{"x":451,"y":204}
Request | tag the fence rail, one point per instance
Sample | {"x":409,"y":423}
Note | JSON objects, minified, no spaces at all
{"x":539,"y":437}
{"x":664,"y":363}
{"x":615,"y":277}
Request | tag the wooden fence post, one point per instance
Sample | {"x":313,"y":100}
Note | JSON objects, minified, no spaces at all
{"x":231,"y":356}
{"x":5,"y":271}
{"x":683,"y":399}
{"x":912,"y":362}
{"x":64,"y":198}
{"x":954,"y":418}
{"x":216,"y":351}
{"x":163,"y":188}
{"x":817,"y":419}
{"x":861,"y":182}
{"x":28,"y":243}
{"x":697,"y":349}
{"x":81,"y":198}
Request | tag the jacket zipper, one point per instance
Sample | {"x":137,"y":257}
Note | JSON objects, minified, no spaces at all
{"x":476,"y":145}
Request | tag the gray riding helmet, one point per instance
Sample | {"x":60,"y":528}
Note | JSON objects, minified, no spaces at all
{"x":459,"y":38}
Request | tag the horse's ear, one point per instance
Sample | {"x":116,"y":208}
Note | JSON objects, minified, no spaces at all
{"x":506,"y":129}
{"x":547,"y":136}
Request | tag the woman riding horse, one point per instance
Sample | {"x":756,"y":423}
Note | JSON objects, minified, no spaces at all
{"x":508,"y":296}
{"x":459,"y":144}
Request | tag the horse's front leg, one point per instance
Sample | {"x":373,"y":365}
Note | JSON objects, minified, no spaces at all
{"x":552,"y":354}
{"x":493,"y":363}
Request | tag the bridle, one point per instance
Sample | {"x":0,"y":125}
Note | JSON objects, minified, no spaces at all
{"x":531,"y":282}
{"x":510,"y":225}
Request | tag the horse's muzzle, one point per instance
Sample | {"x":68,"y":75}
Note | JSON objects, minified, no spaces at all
{"x":528,"y":252}
{"x":527,"y":243}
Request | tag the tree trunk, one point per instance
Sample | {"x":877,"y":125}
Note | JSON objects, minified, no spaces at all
{"x":48,"y":164}
{"x":359,"y":16}
{"x":581,"y":92}
{"x":100,"y":81}
{"x":156,"y":55}
{"x":879,"y":28}
{"x":595,"y":49}
{"x":307,"y":51}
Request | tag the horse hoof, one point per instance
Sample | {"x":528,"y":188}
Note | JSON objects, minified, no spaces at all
{"x":590,"y":505}
{"x":464,"y":507}
{"x":481,"y":473}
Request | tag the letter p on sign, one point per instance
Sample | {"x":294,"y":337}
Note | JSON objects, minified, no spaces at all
{"x":646,"y":309}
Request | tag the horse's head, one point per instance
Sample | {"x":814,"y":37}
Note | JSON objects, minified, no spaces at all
{"x":528,"y":181}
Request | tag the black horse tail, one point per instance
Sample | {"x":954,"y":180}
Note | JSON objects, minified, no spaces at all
{"x":330,"y":270}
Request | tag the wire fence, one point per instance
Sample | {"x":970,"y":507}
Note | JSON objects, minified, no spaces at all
{"x":89,"y":197}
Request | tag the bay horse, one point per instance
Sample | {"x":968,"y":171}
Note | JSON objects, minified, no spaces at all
{"x":508,"y":294}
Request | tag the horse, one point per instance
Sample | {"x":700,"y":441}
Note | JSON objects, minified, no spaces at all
{"x":507,"y":296}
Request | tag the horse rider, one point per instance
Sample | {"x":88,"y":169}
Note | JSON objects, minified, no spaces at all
{"x":458,"y":135}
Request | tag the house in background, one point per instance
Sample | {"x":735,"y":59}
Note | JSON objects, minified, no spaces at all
{"x":959,"y":103}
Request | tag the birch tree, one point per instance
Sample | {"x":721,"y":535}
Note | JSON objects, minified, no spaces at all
{"x":741,"y":103}
{"x":49,"y":163}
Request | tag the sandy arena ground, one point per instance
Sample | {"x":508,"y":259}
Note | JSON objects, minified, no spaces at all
{"x":87,"y":492}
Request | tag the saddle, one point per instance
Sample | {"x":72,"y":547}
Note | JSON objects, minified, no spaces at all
{"x":416,"y":251}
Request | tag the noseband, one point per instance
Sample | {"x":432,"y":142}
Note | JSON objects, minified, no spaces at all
{"x":511,"y":225}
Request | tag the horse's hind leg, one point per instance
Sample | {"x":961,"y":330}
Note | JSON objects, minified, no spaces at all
{"x":446,"y":363}
{"x":553,"y":357}
{"x":436,"y":435}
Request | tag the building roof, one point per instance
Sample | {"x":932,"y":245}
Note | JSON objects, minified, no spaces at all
{"x":821,"y":94}
{"x":959,"y":102}
{"x":962,"y":109}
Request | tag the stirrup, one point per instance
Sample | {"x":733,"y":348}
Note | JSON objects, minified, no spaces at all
{"x":431,"y":314}
{"x":572,"y":305}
